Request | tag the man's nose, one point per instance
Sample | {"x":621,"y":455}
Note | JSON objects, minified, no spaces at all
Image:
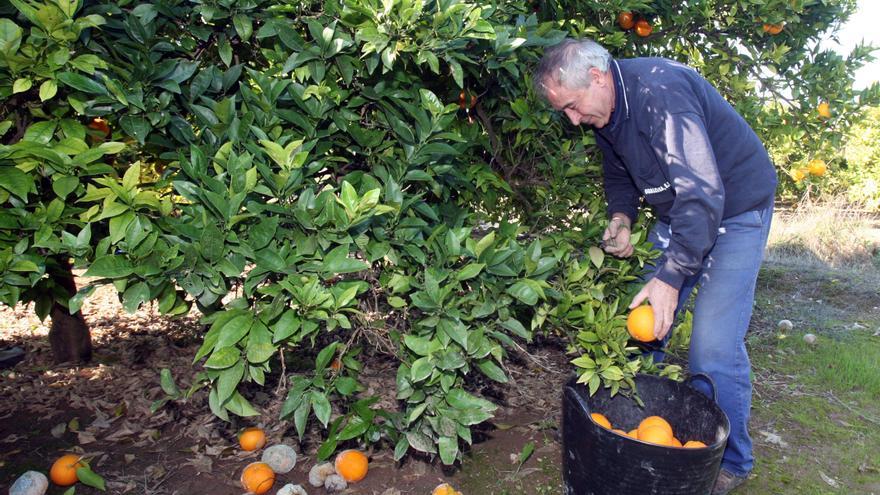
{"x":573,"y":116}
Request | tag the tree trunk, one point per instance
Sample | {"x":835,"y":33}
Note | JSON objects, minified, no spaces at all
{"x":69,"y":335}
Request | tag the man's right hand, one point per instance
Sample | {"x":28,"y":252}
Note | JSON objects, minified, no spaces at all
{"x":616,"y":238}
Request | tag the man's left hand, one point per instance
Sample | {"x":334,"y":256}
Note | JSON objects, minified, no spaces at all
{"x":663,"y":299}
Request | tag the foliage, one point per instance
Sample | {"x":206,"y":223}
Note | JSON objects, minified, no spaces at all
{"x":312,"y":173}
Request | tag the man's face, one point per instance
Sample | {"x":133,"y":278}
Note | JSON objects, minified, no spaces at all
{"x":591,"y":106}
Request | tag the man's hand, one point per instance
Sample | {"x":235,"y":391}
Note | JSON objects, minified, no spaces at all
{"x":663,"y":299}
{"x":616,"y":238}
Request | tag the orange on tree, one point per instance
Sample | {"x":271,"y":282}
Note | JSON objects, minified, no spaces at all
{"x":352,"y":465}
{"x":100,"y":125}
{"x":640,"y":323}
{"x":63,"y":471}
{"x":655,"y":421}
{"x":601,"y":420}
{"x":336,"y":365}
{"x":817,"y":167}
{"x":252,"y":439}
{"x":824,"y":110}
{"x":655,"y":434}
{"x":694,"y":444}
{"x":798,"y":174}
{"x":643,"y":28}
{"x":257,"y":478}
{"x":772,"y":29}
{"x":626,"y":20}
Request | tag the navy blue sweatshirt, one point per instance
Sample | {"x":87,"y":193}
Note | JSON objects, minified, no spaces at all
{"x":676,"y":142}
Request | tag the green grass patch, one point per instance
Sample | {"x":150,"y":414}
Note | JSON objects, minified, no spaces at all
{"x":843,"y":361}
{"x":821,"y":400}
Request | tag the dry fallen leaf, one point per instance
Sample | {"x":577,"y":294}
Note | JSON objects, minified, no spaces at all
{"x":58,"y":430}
{"x":831,"y":481}
{"x":774,"y":439}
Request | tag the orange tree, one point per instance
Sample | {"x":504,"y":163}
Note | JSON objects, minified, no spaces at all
{"x":323,"y":177}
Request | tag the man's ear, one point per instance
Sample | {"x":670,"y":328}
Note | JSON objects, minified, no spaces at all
{"x":597,"y":76}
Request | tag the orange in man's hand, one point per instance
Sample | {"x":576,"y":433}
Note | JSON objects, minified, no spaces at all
{"x":640,"y":323}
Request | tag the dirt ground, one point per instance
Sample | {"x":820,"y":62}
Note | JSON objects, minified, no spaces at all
{"x":811,"y":436}
{"x":102,"y":411}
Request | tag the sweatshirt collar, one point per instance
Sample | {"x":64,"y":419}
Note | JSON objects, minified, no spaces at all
{"x":621,"y":103}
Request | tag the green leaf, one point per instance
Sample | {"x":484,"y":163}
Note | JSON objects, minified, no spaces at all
{"x":240,"y":406}
{"x":110,"y":266}
{"x":243,"y":26}
{"x":223,"y":358}
{"x":337,"y":261}
{"x":597,"y":256}
{"x":448,"y":449}
{"x":21,"y":85}
{"x":167,"y":383}
{"x":16,"y":182}
{"x":234,"y":329}
{"x":321,"y":406}
{"x":48,"y":89}
{"x":228,"y":381}
{"x":491,"y":370}
{"x":421,"y":369}
{"x":136,"y":127}
{"x":89,"y":478}
{"x":524,"y":292}
{"x":40,"y":132}
{"x":470,"y":271}
{"x":225,"y":51}
{"x":82,"y":83}
{"x":64,"y":185}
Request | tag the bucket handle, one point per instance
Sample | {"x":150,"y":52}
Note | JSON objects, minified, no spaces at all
{"x":706,"y":378}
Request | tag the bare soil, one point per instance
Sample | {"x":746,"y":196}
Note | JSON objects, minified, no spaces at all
{"x":102,"y":411}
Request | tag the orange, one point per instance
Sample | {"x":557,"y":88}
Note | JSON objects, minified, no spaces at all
{"x":600,"y":419}
{"x":620,"y":432}
{"x":824,"y":110}
{"x":352,"y":465}
{"x":798,"y":174}
{"x":655,"y":421}
{"x":445,"y":489}
{"x":100,"y":125}
{"x":655,"y":434}
{"x":252,"y":439}
{"x":640,"y":323}
{"x":626,"y":20}
{"x":694,"y":444}
{"x":676,"y":442}
{"x":336,"y":365}
{"x":817,"y":167}
{"x":772,"y":29}
{"x":257,"y":478}
{"x":643,"y":28}
{"x":633,"y":433}
{"x":63,"y":472}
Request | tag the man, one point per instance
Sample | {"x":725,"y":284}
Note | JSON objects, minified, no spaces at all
{"x":668,"y":136}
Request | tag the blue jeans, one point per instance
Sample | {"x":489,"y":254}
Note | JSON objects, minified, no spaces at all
{"x":722,"y":312}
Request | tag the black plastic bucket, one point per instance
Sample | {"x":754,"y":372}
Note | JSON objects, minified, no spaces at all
{"x":597,"y":461}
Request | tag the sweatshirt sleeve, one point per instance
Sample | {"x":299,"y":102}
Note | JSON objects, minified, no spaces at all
{"x":681,"y":141}
{"x":620,"y":191}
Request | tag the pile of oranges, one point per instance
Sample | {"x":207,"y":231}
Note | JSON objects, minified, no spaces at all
{"x":258,"y":477}
{"x":653,"y":429}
